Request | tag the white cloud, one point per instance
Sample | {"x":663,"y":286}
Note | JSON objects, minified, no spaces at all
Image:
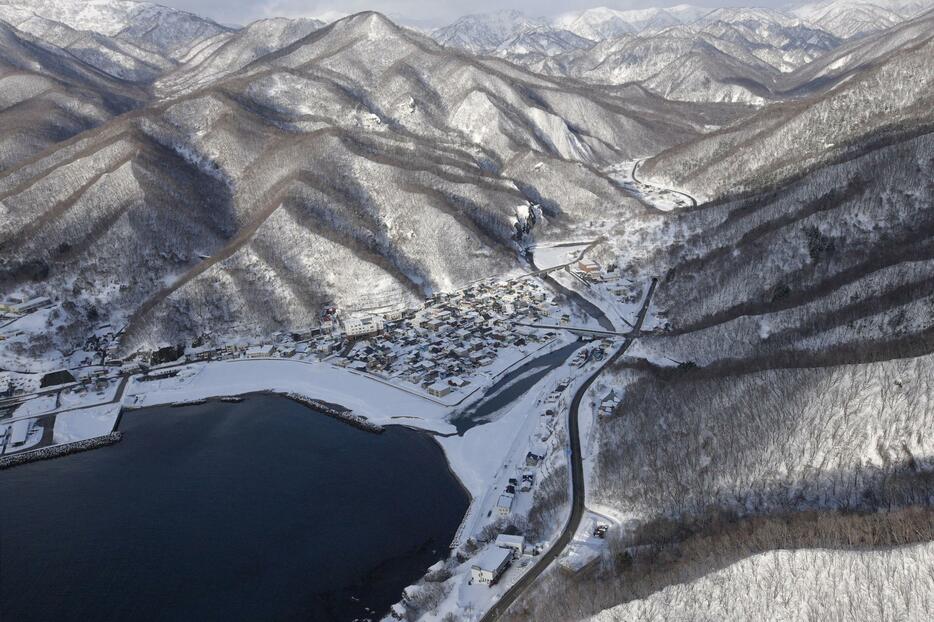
{"x":414,"y":12}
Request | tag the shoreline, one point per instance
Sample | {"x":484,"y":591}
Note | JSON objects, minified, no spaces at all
{"x":59,"y":451}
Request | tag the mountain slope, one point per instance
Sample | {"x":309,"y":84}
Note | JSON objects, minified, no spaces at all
{"x":894,"y":92}
{"x":784,"y":42}
{"x":541,"y":42}
{"x":360,"y":156}
{"x":855,"y":18}
{"x":603,"y":23}
{"x":487,"y":31}
{"x":117,"y":58}
{"x":156,"y":28}
{"x":782,"y":403}
{"x":47,"y":95}
{"x":676,"y":63}
{"x":227,"y":53}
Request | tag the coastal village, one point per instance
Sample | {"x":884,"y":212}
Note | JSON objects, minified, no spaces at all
{"x":443,"y":356}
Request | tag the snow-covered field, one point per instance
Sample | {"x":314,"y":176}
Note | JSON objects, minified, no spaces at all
{"x":378,"y":402}
{"x":78,"y":425}
{"x":557,"y":254}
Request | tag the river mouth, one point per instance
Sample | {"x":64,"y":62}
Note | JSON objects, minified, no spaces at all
{"x":259,"y":510}
{"x":511,"y":387}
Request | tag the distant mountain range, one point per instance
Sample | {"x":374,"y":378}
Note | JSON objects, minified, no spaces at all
{"x":681,"y":52}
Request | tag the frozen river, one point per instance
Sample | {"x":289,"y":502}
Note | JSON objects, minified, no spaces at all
{"x":261,"y":510}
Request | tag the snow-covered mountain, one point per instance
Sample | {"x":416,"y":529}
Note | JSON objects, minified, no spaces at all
{"x":543,"y":41}
{"x":869,"y":91}
{"x":48,"y":95}
{"x":603,"y":23}
{"x":783,"y":41}
{"x":682,"y":52}
{"x":853,"y":18}
{"x":157,"y":28}
{"x":116,"y":57}
{"x":486,"y":31}
{"x":359,"y":155}
{"x":790,"y":375}
{"x":728,"y":55}
{"x":184,"y":180}
{"x":228,"y":52}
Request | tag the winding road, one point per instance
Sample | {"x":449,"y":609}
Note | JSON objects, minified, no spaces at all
{"x":577,"y":480}
{"x":635,"y":166}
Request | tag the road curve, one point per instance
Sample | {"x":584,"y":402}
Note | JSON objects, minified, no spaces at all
{"x":684,"y":194}
{"x":577,"y":481}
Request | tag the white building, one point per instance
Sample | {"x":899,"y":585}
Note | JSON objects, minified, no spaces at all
{"x":516,"y":544}
{"x":504,"y":504}
{"x":363,"y":325}
{"x":257,"y":352}
{"x":490,"y":565}
{"x":440,"y":388}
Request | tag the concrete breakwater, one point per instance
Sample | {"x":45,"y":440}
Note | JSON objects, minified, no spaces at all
{"x":56,"y":451}
{"x":345,"y":415}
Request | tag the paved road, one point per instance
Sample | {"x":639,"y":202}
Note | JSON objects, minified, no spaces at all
{"x":579,"y":330}
{"x":577,"y":482}
{"x":684,"y":194}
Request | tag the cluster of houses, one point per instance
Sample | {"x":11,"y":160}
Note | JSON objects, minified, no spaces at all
{"x":453,"y":336}
{"x":438,"y":348}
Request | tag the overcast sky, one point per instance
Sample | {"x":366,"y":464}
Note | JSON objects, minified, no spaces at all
{"x":414,"y":12}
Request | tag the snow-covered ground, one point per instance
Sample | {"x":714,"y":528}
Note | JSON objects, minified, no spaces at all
{"x":620,"y":298}
{"x":379,"y":402}
{"x":664,"y":199}
{"x":486,"y":457}
{"x":78,"y":425}
{"x":557,"y":254}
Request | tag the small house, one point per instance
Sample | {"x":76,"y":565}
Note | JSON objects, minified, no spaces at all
{"x":516,"y":544}
{"x":490,"y":565}
{"x":504,"y":504}
{"x":257,"y":352}
{"x":440,"y":388}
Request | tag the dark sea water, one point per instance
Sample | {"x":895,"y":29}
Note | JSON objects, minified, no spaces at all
{"x":261,"y":510}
